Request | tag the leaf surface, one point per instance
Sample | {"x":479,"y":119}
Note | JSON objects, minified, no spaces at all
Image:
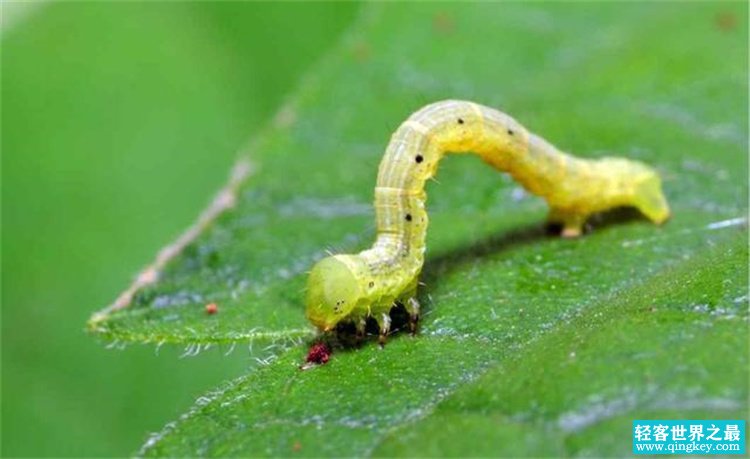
{"x":530,"y":344}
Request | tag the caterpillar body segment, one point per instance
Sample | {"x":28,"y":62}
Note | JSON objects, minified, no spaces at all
{"x":357,"y":286}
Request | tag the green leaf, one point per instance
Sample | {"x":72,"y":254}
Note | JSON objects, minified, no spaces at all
{"x":530,"y":344}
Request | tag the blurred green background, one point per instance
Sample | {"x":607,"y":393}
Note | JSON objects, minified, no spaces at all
{"x":119,"y":121}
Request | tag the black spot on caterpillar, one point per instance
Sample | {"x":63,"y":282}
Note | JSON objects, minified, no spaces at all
{"x":574,"y":188}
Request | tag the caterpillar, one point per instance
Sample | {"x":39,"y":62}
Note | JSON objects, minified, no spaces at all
{"x":353,"y":287}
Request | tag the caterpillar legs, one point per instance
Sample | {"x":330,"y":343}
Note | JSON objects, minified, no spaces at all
{"x":412,"y":307}
{"x":384,"y":324}
{"x":384,"y":320}
{"x":571,"y":222}
{"x":360,"y":325}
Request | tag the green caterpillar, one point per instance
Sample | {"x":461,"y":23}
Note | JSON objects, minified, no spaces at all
{"x":343,"y":288}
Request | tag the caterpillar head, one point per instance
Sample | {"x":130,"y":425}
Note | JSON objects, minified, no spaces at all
{"x":332,"y":292}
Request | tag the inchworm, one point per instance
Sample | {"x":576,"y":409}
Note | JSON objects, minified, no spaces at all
{"x":344,"y":288}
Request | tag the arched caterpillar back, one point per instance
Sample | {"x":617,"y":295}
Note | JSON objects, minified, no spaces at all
{"x":354,"y":287}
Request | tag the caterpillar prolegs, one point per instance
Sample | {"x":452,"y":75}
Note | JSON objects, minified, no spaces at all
{"x":343,"y":288}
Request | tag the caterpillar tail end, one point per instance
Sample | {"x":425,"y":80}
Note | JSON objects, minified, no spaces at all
{"x":650,"y":200}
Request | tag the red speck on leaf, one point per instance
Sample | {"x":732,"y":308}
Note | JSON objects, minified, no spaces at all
{"x":443,"y":23}
{"x":211,"y":308}
{"x":725,"y":21}
{"x":319,"y":354}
